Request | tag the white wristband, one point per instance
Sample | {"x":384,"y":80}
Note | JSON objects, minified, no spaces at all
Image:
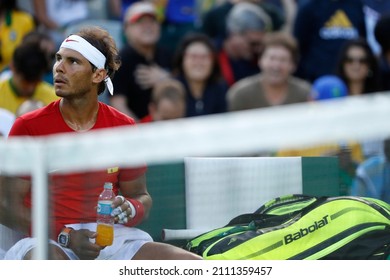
{"x":133,"y":211}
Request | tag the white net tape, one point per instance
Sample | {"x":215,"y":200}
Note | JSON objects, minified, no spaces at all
{"x":290,"y":126}
{"x":360,"y":118}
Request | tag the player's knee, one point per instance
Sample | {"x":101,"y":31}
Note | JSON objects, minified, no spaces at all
{"x":55,"y":253}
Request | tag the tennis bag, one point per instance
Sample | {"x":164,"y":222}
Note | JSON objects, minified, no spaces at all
{"x":302,"y":227}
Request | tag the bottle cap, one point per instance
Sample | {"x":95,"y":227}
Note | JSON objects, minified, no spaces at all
{"x":108,"y":185}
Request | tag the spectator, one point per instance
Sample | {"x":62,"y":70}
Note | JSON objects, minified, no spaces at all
{"x":84,"y":66}
{"x":373,"y":176}
{"x":357,"y":74}
{"x":28,"y":66}
{"x":15,"y":24}
{"x":247,"y":25}
{"x":214,"y":22}
{"x":54,"y":15}
{"x":275,"y":85}
{"x":48,"y":46}
{"x":358,"y":67}
{"x":349,"y":155}
{"x":324,"y":88}
{"x":321,"y":27}
{"x":144,"y":63}
{"x":168,"y":101}
{"x":177,"y":18}
{"x":381,"y":32}
{"x":197,"y":68}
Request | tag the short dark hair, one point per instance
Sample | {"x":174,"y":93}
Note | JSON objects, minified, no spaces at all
{"x":104,"y":42}
{"x":30,"y":61}
{"x":282,"y":39}
{"x":246,"y":16}
{"x":170,"y":89}
{"x":39,"y":37}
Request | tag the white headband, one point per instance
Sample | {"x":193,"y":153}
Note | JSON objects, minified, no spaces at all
{"x":92,"y":54}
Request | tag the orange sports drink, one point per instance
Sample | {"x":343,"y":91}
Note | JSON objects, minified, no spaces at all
{"x":105,"y":234}
{"x":104,"y":220}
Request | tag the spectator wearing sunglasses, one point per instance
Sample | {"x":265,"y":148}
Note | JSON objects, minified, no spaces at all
{"x":358,"y":67}
{"x":321,"y":27}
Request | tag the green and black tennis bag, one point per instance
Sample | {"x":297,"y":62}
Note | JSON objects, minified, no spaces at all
{"x":301,"y":227}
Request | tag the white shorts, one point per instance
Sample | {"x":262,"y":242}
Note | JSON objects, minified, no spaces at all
{"x":127,"y":242}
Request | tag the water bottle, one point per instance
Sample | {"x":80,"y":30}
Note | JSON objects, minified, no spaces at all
{"x":105,"y":222}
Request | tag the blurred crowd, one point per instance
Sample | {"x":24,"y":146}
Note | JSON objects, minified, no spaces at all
{"x":188,"y":58}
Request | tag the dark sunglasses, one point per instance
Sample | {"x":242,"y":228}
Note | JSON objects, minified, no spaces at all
{"x":360,"y":60}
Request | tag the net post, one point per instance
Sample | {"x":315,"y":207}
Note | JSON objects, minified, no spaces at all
{"x":40,"y":199}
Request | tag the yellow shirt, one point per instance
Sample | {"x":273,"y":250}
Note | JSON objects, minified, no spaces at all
{"x":44,"y":92}
{"x":12,"y":30}
{"x":324,"y":150}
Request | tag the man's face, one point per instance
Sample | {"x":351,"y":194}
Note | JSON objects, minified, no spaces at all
{"x":254,"y":39}
{"x":247,"y":45}
{"x":276,"y":64}
{"x":144,"y":32}
{"x":72,"y":73}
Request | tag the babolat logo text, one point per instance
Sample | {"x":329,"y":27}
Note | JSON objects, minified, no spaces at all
{"x":305,"y":231}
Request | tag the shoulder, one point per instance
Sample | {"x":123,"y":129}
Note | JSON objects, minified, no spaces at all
{"x":300,"y":84}
{"x":4,"y":84}
{"x":129,"y":57}
{"x":41,"y":112}
{"x":23,"y":16}
{"x":127,"y":53}
{"x":373,"y":163}
{"x":23,"y":19}
{"x":299,"y":90}
{"x":31,"y":123}
{"x":117,"y":118}
{"x":371,"y":167}
{"x":245,"y":84}
{"x":241,"y":94}
{"x":7,"y":96}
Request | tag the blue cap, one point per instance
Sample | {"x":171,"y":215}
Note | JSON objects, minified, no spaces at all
{"x":328,"y":86}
